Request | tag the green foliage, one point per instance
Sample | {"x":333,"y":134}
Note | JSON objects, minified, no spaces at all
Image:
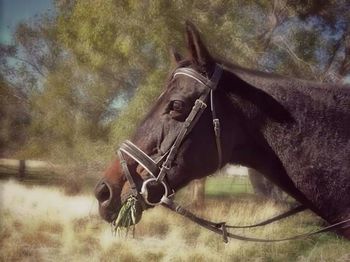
{"x":226,"y":186}
{"x":129,"y":215}
{"x":145,"y":95}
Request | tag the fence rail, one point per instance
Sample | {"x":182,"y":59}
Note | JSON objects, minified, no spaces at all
{"x":31,"y":171}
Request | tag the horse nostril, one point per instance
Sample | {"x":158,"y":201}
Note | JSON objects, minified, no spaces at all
{"x":103,"y":193}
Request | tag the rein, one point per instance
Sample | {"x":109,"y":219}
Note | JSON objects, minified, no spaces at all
{"x":158,"y":168}
{"x":221,"y":227}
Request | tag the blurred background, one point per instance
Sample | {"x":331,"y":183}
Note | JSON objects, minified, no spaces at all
{"x":76,"y":77}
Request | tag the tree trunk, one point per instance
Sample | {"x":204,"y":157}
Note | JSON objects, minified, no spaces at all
{"x":197,"y":192}
{"x":263,"y":187}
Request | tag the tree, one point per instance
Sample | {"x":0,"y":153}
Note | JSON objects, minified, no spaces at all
{"x":14,"y":118}
{"x":57,"y":90}
{"x":264,"y":188}
{"x":197,"y":192}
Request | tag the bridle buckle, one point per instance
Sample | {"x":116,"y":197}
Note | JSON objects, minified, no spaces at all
{"x":201,"y":103}
{"x":216,"y":123}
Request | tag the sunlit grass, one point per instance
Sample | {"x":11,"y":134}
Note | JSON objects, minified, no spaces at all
{"x":41,"y":224}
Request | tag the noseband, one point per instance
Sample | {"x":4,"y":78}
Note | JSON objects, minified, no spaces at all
{"x":158,"y":168}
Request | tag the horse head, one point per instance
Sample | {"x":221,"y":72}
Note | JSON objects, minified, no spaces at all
{"x":197,"y":82}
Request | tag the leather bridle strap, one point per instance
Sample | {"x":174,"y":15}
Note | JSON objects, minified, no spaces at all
{"x":140,"y":157}
{"x":221,"y":228}
{"x":128,"y":176}
{"x":194,"y":115}
{"x":189,"y":123}
{"x":211,"y":83}
{"x":290,"y":212}
{"x":217,"y":129}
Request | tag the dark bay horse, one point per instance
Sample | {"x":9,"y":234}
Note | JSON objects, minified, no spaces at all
{"x":295,"y":132}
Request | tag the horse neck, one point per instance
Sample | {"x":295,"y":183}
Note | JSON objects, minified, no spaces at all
{"x":256,"y":108}
{"x":250,"y":109}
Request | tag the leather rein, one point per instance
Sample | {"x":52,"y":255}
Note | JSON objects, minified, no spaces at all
{"x":158,"y":168}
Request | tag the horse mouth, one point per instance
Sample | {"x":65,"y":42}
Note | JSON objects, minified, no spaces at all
{"x":129,"y":214}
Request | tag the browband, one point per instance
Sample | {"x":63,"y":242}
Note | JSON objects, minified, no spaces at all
{"x":211,"y":83}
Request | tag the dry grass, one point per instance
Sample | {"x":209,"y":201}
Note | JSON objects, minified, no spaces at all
{"x":41,"y":224}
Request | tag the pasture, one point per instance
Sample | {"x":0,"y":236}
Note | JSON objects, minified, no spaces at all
{"x":44,"y":224}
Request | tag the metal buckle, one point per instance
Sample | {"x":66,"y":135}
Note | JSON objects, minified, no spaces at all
{"x":166,"y":166}
{"x":216,"y":123}
{"x":144,"y":191}
{"x":201,"y":103}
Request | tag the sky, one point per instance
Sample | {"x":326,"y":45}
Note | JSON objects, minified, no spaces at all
{"x":14,"y":11}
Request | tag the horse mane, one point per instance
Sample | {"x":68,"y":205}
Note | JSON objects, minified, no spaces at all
{"x":248,"y":74}
{"x":235,"y":68}
{"x":246,"y":83}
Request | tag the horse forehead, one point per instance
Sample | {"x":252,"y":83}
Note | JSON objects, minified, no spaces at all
{"x":186,"y":87}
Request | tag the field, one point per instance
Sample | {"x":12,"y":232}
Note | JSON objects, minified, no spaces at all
{"x":44,"y":224}
{"x":226,"y":186}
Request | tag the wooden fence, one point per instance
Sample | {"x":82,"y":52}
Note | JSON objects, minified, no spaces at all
{"x":31,"y":171}
{"x":34,"y":172}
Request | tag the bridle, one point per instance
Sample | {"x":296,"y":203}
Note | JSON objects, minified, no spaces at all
{"x":158,"y":168}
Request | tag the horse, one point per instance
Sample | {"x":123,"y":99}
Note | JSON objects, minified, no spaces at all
{"x":295,"y":132}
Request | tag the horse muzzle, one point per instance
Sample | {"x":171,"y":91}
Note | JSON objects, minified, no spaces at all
{"x":109,"y":203}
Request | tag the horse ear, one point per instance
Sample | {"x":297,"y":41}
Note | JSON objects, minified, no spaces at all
{"x":198,"y":51}
{"x":176,"y":57}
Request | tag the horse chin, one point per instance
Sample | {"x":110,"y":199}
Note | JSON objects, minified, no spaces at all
{"x":108,"y":215}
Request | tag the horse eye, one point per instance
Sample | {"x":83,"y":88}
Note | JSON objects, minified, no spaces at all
{"x":178,"y":105}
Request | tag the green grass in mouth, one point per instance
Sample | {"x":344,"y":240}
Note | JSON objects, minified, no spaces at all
{"x":129,"y":215}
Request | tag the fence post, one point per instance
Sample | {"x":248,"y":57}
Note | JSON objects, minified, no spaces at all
{"x":22,"y":169}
